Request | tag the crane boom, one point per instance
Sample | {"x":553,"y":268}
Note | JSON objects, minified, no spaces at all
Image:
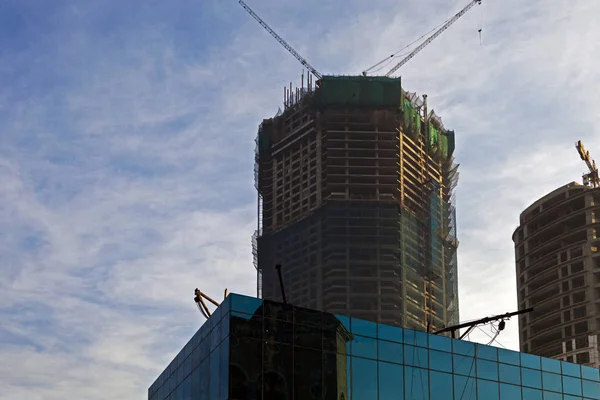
{"x":432,"y":37}
{"x":592,"y":176}
{"x":281,"y":40}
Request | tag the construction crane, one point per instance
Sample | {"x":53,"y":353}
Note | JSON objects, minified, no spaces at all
{"x":280,"y":40}
{"x":199,"y":297}
{"x":592,"y":176}
{"x":426,"y":42}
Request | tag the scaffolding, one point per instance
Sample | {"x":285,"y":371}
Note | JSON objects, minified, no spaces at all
{"x":355,"y":187}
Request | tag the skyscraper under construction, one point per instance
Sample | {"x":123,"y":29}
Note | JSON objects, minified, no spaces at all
{"x":355,"y":181}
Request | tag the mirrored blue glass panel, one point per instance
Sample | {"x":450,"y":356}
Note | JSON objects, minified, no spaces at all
{"x":487,"y":370}
{"x":364,"y":378}
{"x":571,"y":385}
{"x":487,"y":390}
{"x":551,"y":365}
{"x":440,"y":361}
{"x":364,"y":347}
{"x":531,"y":361}
{"x":510,"y":392}
{"x":416,"y":356}
{"x":531,"y":378}
{"x":531,"y":394}
{"x":591,"y":389}
{"x":391,"y":381}
{"x":551,"y":381}
{"x":440,"y":386}
{"x":509,"y":374}
{"x":390,"y":351}
{"x":416,"y":383}
{"x":363,"y":328}
{"x":442,"y":343}
{"x":509,"y":357}
{"x":415,"y":338}
{"x":465,"y":388}
{"x":390,"y":333}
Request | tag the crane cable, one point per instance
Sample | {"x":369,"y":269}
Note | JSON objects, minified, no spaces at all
{"x":396,"y":54}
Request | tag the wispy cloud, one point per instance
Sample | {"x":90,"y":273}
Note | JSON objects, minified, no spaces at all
{"x":126,"y":152}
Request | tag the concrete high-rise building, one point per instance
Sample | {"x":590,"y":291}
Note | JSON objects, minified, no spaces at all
{"x":355,"y":181}
{"x":558,"y":274}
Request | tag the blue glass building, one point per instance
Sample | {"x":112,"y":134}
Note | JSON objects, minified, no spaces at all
{"x":255,"y":349}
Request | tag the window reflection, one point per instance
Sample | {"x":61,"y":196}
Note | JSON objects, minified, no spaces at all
{"x":364,"y":328}
{"x":591,"y":389}
{"x":442,"y":343}
{"x":441,"y":385}
{"x":571,"y":385}
{"x":463,"y":347}
{"x":389,"y":351}
{"x":487,"y":370}
{"x":439,"y":360}
{"x":416,"y":383}
{"x":415,"y":338}
{"x":416,"y":356}
{"x":508,"y":357}
{"x":531,"y":394}
{"x":248,"y":305}
{"x":552,"y":396}
{"x":487,"y":352}
{"x":590,"y":373}
{"x":464,"y":365}
{"x":364,"y":378}
{"x":531,"y":378}
{"x":551,"y":382}
{"x":509,"y":374}
{"x":487,"y":390}
{"x":531,"y":361}
{"x":277,"y":371}
{"x":307,"y":373}
{"x":364,"y":347}
{"x":391,"y":381}
{"x":390,"y":333}
{"x":551,"y":365}
{"x":278,"y":331}
{"x":510,"y":392}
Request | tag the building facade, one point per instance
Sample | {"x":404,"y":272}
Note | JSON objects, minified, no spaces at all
{"x":558,"y":274}
{"x":355,"y":183}
{"x":255,"y":349}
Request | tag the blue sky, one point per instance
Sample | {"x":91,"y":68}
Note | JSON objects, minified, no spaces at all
{"x":126,"y":155}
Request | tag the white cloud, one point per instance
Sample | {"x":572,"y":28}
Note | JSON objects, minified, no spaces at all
{"x":131,"y":184}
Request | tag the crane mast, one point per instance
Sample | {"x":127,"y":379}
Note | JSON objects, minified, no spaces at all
{"x":281,"y":40}
{"x":592,"y":176}
{"x":433,"y":36}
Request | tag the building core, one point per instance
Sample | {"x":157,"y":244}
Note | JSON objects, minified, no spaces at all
{"x":355,"y":181}
{"x":557,"y":252}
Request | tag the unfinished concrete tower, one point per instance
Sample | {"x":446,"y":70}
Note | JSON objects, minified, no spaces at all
{"x":557,"y":251}
{"x":355,"y":187}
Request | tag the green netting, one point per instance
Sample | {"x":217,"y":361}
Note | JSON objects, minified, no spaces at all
{"x":359,"y":91}
{"x":434,"y":137}
{"x":444,"y":147}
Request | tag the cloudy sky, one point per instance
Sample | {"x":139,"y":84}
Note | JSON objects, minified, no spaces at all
{"x":126,"y":155}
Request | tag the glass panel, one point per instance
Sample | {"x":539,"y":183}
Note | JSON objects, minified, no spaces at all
{"x":440,"y":360}
{"x":244,"y":325}
{"x":345,"y":321}
{"x":571,"y":385}
{"x":224,"y":363}
{"x":416,"y":384}
{"x":487,"y":352}
{"x":551,"y":382}
{"x":590,"y":373}
{"x":308,"y":317}
{"x":531,"y":361}
{"x":225,"y":305}
{"x":389,"y":351}
{"x":214,"y":375}
{"x":532,"y":394}
{"x":364,"y":379}
{"x":552,"y":396}
{"x":464,"y":365}
{"x":551,"y":365}
{"x":186,"y":388}
{"x":204,"y":379}
{"x":277,"y":371}
{"x":487,"y":390}
{"x":307,"y":374}
{"x":308,"y":336}
{"x":570,"y":397}
{"x":571,"y":369}
{"x":463,"y":347}
{"x":279,"y":331}
{"x":244,"y":373}
{"x":509,"y":374}
{"x":464,"y":388}
{"x":591,"y":389}
{"x":415,"y":338}
{"x":416,"y":356}
{"x":364,"y":328}
{"x":391,"y":381}
{"x":487,"y":370}
{"x":284,"y":312}
{"x":215,"y":337}
{"x":438,"y":342}
{"x":225,"y":326}
{"x":531,"y":378}
{"x":364,"y":347}
{"x":215,"y":317}
{"x":510,"y":392}
{"x":195,"y":383}
{"x":441,"y":385}
{"x":508,"y":357}
{"x":248,"y":305}
{"x":391,"y":333}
